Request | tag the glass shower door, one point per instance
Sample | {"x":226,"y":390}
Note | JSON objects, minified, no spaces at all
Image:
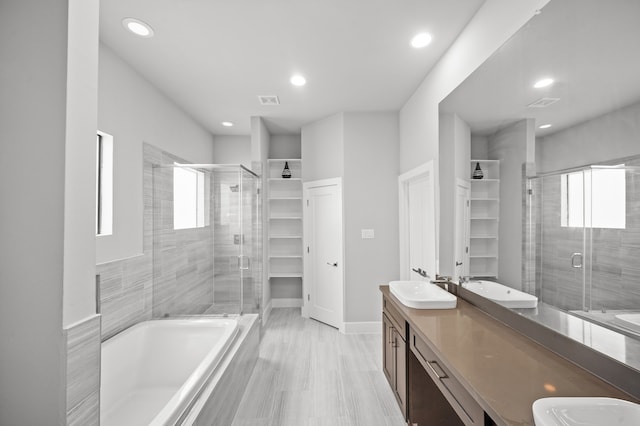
{"x":561,"y":251}
{"x":227,"y":236}
{"x":250,"y":259}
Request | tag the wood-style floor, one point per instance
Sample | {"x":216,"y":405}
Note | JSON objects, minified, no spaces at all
{"x":310,"y":374}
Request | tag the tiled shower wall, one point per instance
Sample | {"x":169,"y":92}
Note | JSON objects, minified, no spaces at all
{"x":182,"y":259}
{"x":126,"y":286}
{"x":615,"y":273}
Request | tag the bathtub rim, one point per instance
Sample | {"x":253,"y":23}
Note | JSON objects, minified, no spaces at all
{"x":527,"y":301}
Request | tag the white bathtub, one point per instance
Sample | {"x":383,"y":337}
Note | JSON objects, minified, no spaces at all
{"x":501,"y":294}
{"x":629,"y":320}
{"x":152,"y":372}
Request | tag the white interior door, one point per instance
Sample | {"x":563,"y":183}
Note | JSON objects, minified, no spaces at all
{"x":462,"y":222}
{"x":417,"y":222}
{"x":323,"y":275}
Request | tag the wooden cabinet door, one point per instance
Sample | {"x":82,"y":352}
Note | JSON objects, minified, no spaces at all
{"x":388,"y":350}
{"x":401,"y":371}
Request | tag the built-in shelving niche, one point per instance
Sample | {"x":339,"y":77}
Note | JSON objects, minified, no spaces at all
{"x":484,"y":217}
{"x":285,"y":224}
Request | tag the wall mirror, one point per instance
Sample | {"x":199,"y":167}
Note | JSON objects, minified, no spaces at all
{"x":565,"y":223}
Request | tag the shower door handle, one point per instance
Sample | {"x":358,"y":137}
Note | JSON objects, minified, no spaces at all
{"x":242,"y":261}
{"x":576,"y":260}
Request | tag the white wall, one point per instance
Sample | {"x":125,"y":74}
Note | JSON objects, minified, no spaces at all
{"x":46,"y":109}
{"x":79,"y":294}
{"x":323,"y":149}
{"x":455,"y":154}
{"x":228,"y":149}
{"x":133,"y":111}
{"x":370,"y":202}
{"x":493,"y":24}
{"x":608,"y":137}
{"x":509,"y":146}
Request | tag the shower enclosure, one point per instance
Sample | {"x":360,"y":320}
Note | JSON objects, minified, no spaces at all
{"x":582,"y":245}
{"x":207,"y":251}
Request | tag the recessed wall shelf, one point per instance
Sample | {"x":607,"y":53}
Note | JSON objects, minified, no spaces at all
{"x":285,"y":219}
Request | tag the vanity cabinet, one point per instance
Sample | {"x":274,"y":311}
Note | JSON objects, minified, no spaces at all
{"x":436,"y":396}
{"x":394,"y":354}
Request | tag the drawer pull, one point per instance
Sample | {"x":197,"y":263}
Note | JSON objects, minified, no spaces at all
{"x":440,"y":375}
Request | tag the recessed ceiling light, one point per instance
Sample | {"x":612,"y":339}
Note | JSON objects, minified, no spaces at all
{"x":227,"y":124}
{"x":543,"y":83}
{"x":421,"y":40}
{"x":138,"y":27}
{"x":298,"y":80}
{"x":545,"y":126}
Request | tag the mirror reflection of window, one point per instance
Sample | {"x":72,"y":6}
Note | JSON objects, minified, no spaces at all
{"x":594,"y":198}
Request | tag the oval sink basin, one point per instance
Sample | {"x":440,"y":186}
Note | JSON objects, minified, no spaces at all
{"x":422,"y":295}
{"x":585,"y":411}
{"x":501,"y":294}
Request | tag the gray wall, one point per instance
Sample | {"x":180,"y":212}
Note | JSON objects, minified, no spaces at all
{"x":608,"y":137}
{"x":370,"y":202}
{"x":322,"y":149}
{"x":493,"y":24}
{"x":509,"y":146}
{"x":229,"y":149}
{"x":48,"y":102}
{"x":133,"y":111}
{"x":362,"y":149}
{"x":285,"y":146}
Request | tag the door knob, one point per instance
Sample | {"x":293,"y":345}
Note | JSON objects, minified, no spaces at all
{"x":332,"y":264}
{"x":458,"y":263}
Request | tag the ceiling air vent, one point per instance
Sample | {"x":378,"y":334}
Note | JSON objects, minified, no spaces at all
{"x":543,"y":102}
{"x":269,"y":100}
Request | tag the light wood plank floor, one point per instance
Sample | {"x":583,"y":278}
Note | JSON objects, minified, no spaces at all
{"x":310,"y":374}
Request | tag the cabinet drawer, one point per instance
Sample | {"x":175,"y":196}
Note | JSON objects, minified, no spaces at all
{"x":461,"y":401}
{"x":395,"y":317}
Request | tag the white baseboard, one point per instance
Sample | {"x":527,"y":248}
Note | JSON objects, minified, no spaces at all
{"x":371,"y":327}
{"x":286,"y":303}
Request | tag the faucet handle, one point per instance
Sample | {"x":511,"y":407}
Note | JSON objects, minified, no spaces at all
{"x":420,"y":272}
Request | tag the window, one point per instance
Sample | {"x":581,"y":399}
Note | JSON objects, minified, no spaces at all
{"x":104,"y":184}
{"x":188,"y":198}
{"x":594,"y":198}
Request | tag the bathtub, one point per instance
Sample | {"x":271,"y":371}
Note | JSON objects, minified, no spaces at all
{"x":152,"y":372}
{"x":630,"y":321}
{"x":501,"y":294}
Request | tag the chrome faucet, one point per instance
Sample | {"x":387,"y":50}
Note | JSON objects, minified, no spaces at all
{"x":441,"y":279}
{"x":420,"y":272}
{"x":463,"y":280}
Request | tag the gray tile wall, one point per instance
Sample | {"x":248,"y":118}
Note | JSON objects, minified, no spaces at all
{"x":182,"y":259}
{"x":83,"y":372}
{"x":126,"y":286}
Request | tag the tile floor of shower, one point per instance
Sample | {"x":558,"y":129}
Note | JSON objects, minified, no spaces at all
{"x":310,"y":374}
